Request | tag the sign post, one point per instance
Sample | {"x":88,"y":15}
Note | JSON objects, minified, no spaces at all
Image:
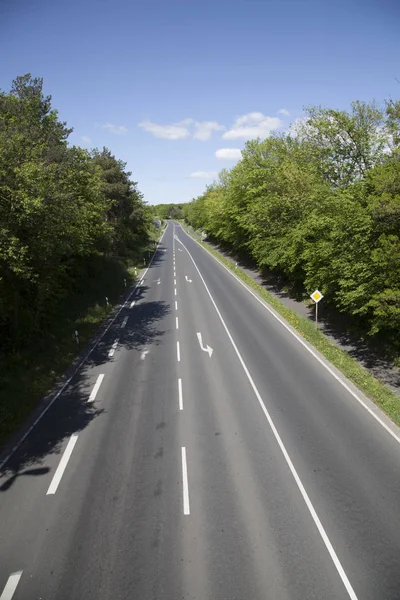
{"x":316,"y":296}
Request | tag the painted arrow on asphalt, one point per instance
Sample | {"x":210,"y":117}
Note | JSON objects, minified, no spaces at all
{"x":205,"y":349}
{"x":187,"y":279}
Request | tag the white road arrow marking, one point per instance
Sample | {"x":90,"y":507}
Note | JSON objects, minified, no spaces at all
{"x":180,"y":249}
{"x":205,"y":349}
{"x":187,"y":279}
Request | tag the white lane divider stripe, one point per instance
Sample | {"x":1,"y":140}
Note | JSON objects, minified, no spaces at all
{"x":178,"y":352}
{"x":137,"y":291}
{"x":62,"y":466}
{"x":186,"y":505}
{"x":133,"y":303}
{"x":176,"y":305}
{"x":113,"y":347}
{"x":176,"y":323}
{"x":180,"y":395}
{"x":124,"y":322}
{"x":175,"y":291}
{"x":96,"y":387}
{"x":174,"y":281}
{"x":313,"y":512}
{"x":11,"y":586}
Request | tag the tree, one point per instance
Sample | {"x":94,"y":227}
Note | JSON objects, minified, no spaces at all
{"x":127,"y":213}
{"x":345,"y":145}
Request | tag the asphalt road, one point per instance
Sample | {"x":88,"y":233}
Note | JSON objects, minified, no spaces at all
{"x":202,"y":452}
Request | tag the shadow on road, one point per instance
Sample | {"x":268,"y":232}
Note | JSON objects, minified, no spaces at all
{"x":72,"y":412}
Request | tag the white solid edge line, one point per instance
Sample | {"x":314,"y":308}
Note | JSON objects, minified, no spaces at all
{"x":62,"y":466}
{"x":176,"y":322}
{"x":124,"y":322}
{"x":80,"y":364}
{"x":133,"y":303}
{"x":292,"y":468}
{"x":11,"y":585}
{"x":304,"y":344}
{"x":186,"y":504}
{"x":178,"y":352}
{"x":176,"y":305}
{"x":96,"y":387}
{"x":180,"y":395}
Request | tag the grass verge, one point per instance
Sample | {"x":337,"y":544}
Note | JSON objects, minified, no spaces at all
{"x":377,"y":391}
{"x":27,"y":375}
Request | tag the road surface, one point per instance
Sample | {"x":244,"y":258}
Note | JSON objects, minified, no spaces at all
{"x":202,"y":452}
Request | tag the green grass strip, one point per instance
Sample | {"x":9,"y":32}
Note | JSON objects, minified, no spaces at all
{"x":377,"y":391}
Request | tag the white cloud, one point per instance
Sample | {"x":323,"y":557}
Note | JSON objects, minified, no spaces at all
{"x":204,"y":175}
{"x":86,"y":140}
{"x":251,"y":126}
{"x":203,"y":131}
{"x":284,"y":111}
{"x":116,"y":129}
{"x":177,"y":131}
{"x":182,"y":129}
{"x":229,"y":153}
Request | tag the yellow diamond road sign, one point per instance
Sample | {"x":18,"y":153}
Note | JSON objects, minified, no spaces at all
{"x":316,"y":296}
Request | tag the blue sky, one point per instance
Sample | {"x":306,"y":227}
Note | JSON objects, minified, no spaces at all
{"x":171,"y":86}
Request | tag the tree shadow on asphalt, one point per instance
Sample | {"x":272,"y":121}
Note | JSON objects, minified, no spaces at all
{"x":72,"y":413}
{"x":141,"y":328}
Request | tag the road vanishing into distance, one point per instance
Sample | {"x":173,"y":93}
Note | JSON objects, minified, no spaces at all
{"x":202,"y":452}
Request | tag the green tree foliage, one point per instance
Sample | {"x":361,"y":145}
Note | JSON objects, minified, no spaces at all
{"x":59,"y":205}
{"x":127,"y":215}
{"x":167,"y":211}
{"x":321,"y":206}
